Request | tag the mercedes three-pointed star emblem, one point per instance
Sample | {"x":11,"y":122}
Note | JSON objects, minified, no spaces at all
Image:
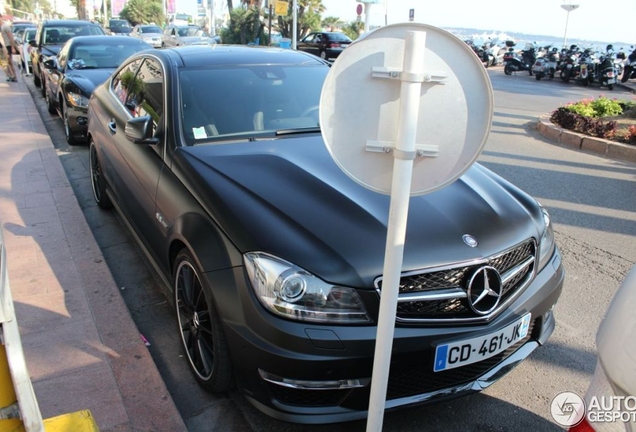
{"x":484,"y":290}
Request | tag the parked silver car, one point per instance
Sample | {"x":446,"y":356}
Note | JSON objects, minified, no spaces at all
{"x":150,"y":33}
{"x":178,"y":35}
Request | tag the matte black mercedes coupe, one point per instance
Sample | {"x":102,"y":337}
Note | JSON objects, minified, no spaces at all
{"x":214,"y":157}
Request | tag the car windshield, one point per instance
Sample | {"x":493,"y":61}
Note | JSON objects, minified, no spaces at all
{"x":60,"y":34}
{"x":150,"y":29}
{"x":103,"y":55}
{"x":234,"y":102}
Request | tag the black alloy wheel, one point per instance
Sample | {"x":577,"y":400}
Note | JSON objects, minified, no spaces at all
{"x":70,"y":139}
{"x":49,"y":103}
{"x":36,"y":78}
{"x":43,"y":87}
{"x":202,"y":337}
{"x":98,"y":182}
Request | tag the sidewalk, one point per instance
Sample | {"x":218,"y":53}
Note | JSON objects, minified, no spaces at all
{"x":82,"y":348}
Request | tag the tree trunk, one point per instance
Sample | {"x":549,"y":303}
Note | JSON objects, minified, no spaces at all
{"x":229,"y":5}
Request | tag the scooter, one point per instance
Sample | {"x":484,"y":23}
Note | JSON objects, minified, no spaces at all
{"x":605,"y":72}
{"x":546,"y":65}
{"x":586,"y":68}
{"x":568,"y":68}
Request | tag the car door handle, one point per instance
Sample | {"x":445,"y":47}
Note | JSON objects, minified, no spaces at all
{"x":112,"y":126}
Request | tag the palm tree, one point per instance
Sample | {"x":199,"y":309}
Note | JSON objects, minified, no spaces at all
{"x":309,"y":13}
{"x":332,"y":23}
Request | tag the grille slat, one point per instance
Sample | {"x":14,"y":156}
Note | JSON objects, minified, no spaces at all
{"x":458,"y":309}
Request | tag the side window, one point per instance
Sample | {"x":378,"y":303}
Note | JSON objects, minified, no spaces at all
{"x":149,"y":98}
{"x":123,"y":83}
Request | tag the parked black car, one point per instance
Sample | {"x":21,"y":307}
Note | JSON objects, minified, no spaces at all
{"x":83,"y":63}
{"x":275,"y":256}
{"x":50,"y":37}
{"x":326,"y":45}
{"x":118,"y":27}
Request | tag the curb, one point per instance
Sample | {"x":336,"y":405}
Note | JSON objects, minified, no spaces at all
{"x":575,"y":140}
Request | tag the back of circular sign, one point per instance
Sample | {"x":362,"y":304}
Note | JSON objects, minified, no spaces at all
{"x":360,"y":108}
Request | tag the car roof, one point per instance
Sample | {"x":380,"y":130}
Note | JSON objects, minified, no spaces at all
{"x":197,"y":56}
{"x":69,"y":23}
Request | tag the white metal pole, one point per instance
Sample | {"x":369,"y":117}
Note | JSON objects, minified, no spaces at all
{"x":295,"y":24}
{"x":565,"y":35}
{"x":367,"y":16}
{"x":396,"y":232}
{"x":212,"y":27}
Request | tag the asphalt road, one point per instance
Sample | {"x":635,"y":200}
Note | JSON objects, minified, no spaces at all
{"x":592,"y":203}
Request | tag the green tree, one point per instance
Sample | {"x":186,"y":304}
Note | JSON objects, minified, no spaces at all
{"x":309,"y":18}
{"x":353,"y":29}
{"x":143,"y":11}
{"x":332,"y":23}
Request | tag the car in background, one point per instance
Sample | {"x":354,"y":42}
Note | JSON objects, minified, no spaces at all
{"x":150,"y":33}
{"x":326,"y":45}
{"x":118,"y":27}
{"x":179,"y":35}
{"x":613,"y":385}
{"x":83,"y":63}
{"x":49,"y":38}
{"x":274,"y":255}
{"x":22,"y":38}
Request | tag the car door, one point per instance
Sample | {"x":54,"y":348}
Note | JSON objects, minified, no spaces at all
{"x":308,"y":44}
{"x":132,"y":170}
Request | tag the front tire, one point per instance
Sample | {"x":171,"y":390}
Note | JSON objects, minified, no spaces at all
{"x":49,"y":104}
{"x":70,"y":139}
{"x":202,"y":336}
{"x":98,"y":182}
{"x":36,"y":79}
{"x":610,"y":87}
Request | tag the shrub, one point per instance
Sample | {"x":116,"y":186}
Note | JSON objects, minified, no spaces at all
{"x":600,"y":107}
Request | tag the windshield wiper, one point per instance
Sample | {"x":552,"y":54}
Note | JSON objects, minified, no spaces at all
{"x":297,"y":131}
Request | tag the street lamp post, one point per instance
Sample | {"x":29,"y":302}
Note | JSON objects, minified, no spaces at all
{"x":568,"y":8}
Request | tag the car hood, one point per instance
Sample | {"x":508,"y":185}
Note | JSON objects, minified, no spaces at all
{"x":88,"y":79}
{"x":287,"y":197}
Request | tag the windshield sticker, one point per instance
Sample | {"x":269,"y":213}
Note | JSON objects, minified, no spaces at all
{"x":199,"y":132}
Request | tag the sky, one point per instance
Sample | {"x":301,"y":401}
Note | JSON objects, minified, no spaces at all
{"x":593,"y":20}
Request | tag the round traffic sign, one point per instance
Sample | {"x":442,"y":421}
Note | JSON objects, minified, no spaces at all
{"x":359,"y":9}
{"x":360,"y":111}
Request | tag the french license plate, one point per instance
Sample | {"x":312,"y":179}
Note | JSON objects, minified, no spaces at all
{"x":611,"y":81}
{"x":462,"y":353}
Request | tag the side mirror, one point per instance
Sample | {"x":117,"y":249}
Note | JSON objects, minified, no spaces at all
{"x":139,"y":130}
{"x":33,"y":43}
{"x":50,"y":64}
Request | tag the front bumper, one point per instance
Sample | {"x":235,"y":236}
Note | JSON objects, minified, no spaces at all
{"x":78,"y":122}
{"x":280,"y":365}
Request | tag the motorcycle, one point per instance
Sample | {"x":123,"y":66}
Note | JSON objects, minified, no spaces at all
{"x":629,"y":70}
{"x":546,"y":65}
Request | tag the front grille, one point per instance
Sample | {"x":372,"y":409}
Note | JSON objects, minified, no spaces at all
{"x":516,"y":267}
{"x":419,"y":378}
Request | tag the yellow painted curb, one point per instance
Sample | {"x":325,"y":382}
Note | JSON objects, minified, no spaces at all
{"x":7,"y":395}
{"x":80,"y":421}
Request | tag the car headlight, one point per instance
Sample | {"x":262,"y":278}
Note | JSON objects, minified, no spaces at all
{"x":77,"y":100}
{"x":291,"y":292}
{"x":547,"y":243}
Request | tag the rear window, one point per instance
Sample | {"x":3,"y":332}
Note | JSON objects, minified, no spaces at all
{"x":339,"y":37}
